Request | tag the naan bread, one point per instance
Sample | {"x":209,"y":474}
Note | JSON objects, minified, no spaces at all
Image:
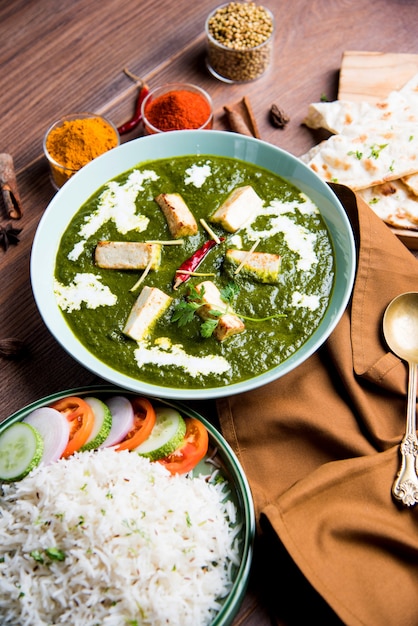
{"x":373,"y":149}
{"x":410,"y":89}
{"x":340,"y":115}
{"x":393,"y":203}
{"x":411,"y":182}
{"x":364,"y":157}
{"x":308,"y":156}
{"x":337,"y":116}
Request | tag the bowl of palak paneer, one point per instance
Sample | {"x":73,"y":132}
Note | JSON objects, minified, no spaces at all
{"x":193,"y":264}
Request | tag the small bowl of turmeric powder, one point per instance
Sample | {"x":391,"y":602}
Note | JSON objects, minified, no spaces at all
{"x":177,"y":106}
{"x":75,"y":140}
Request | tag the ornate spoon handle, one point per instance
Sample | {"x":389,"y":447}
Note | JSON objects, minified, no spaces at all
{"x":405,"y":487}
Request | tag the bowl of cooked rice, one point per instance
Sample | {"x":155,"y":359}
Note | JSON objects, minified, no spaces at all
{"x":105,"y":536}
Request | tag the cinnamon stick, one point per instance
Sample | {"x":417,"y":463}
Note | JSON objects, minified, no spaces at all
{"x":241,"y":118}
{"x":8,"y":184}
{"x":237,"y":123}
{"x":12,"y":348}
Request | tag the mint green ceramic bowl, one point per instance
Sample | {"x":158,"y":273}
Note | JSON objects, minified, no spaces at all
{"x":177,"y":143}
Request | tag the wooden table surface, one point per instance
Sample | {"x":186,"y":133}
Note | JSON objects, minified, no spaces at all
{"x":60,"y":57}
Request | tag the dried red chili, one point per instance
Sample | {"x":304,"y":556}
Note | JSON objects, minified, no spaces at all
{"x":193,"y":262}
{"x":178,"y":110}
{"x":137,"y":116}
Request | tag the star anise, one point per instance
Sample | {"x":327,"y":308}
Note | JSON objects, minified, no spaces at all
{"x":9,"y":235}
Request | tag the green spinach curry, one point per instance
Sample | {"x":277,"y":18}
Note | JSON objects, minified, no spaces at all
{"x":96,"y":302}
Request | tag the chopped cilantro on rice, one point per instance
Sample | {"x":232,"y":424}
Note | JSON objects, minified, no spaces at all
{"x":106,"y":538}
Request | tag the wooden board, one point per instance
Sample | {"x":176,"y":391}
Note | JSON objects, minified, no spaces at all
{"x":371,"y":76}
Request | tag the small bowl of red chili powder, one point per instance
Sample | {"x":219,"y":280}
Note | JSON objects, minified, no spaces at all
{"x":177,"y":106}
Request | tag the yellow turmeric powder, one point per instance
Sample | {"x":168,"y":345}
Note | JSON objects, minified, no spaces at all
{"x":75,"y":142}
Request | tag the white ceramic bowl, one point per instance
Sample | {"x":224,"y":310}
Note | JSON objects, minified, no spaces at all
{"x":176,"y":143}
{"x":240,"y":492}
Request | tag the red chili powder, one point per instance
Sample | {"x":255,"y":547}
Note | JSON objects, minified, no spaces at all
{"x":178,"y":110}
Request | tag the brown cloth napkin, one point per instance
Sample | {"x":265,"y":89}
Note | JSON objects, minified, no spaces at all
{"x":320,"y":449}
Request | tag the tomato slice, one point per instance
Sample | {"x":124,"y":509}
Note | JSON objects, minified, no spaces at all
{"x":144,"y":420}
{"x":81,"y":418}
{"x":191,"y":451}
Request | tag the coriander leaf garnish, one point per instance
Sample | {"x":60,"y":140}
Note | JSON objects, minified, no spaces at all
{"x":261,"y":319}
{"x":356,"y":153}
{"x":229,"y":292}
{"x":185,"y":310}
{"x":208,"y":327}
{"x":37,"y":556}
{"x":55,"y":554}
{"x":376,"y":149}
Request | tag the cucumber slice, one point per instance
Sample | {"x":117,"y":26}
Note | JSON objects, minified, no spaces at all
{"x":167,"y":434}
{"x":102,"y":424}
{"x":21,"y":449}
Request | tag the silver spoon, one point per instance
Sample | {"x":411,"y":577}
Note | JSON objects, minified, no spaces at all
{"x":400,"y":327}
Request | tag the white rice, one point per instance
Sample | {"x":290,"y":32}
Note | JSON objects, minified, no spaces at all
{"x":139,"y":546}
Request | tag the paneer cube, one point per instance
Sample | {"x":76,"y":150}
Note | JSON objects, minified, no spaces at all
{"x":149,"y":306}
{"x":180,"y":220}
{"x":127,"y":255}
{"x":262,"y":267}
{"x":241,"y":204}
{"x":228,"y":323}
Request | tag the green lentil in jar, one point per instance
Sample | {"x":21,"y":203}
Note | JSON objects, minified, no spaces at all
{"x":239,"y":41}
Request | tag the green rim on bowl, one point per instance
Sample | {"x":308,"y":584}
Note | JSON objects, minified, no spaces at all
{"x":181,"y":143}
{"x":231,"y":468}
